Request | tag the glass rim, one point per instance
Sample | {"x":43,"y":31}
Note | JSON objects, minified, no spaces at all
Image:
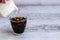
{"x":25,"y":19}
{"x":17,"y":16}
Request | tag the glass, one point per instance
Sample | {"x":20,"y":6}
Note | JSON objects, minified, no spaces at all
{"x":18,"y":23}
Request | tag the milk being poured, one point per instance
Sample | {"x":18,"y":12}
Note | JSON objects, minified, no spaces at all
{"x":7,"y":8}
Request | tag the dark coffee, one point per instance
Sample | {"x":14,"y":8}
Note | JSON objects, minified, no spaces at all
{"x":0,"y":1}
{"x":18,"y":24}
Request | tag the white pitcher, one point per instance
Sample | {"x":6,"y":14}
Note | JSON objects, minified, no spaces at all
{"x":6,"y":9}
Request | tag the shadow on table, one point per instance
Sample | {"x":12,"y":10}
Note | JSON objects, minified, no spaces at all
{"x":7,"y":30}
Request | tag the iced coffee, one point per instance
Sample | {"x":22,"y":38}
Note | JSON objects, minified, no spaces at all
{"x":18,"y":24}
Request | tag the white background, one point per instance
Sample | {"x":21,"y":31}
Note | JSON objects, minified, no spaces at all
{"x":37,"y":1}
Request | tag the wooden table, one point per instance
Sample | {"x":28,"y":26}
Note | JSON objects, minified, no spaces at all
{"x":43,"y":24}
{"x":35,"y":30}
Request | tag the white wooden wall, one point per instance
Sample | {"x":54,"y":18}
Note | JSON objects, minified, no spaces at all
{"x":37,"y":2}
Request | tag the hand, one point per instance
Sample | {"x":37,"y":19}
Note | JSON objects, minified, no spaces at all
{"x":3,"y":1}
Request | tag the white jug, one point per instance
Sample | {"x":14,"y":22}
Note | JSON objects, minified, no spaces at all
{"x":7,"y":8}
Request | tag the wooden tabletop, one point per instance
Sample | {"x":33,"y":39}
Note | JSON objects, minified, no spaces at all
{"x":40,"y":26}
